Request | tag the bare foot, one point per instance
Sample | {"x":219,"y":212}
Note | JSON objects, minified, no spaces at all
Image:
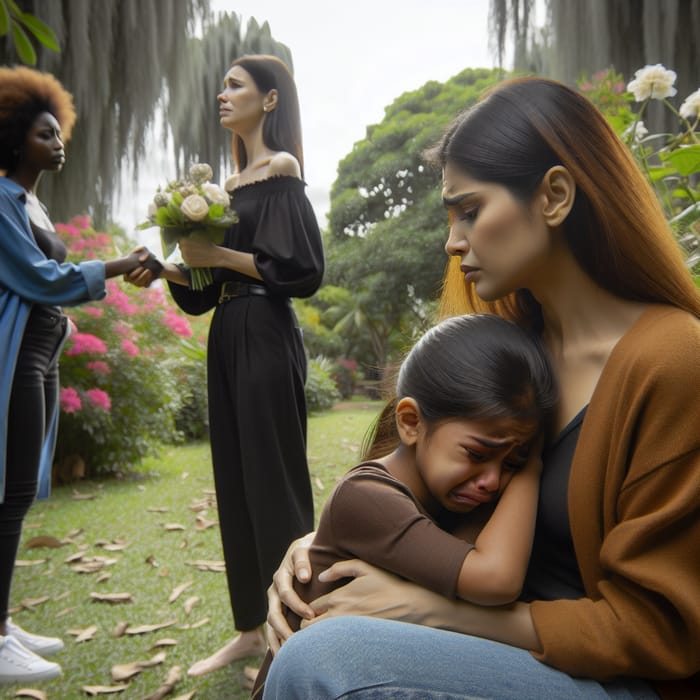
{"x":249,"y":643}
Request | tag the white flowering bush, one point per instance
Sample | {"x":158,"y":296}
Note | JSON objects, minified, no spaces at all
{"x":671,"y":161}
{"x":193,"y":206}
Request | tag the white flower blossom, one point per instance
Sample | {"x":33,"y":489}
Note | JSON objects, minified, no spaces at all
{"x":215,"y":194}
{"x":655,"y":82}
{"x":161,"y":199}
{"x":152,"y":210}
{"x":640,"y":131}
{"x":195,"y":207}
{"x":201,"y":172}
{"x":690,"y":109}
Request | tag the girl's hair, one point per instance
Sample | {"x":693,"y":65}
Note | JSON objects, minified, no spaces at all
{"x":616,"y":229}
{"x":478,"y":366}
{"x":26,"y":93}
{"x":282,"y":126}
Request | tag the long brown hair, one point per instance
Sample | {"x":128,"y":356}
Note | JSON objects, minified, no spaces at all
{"x":282,"y":126}
{"x":616,"y":229}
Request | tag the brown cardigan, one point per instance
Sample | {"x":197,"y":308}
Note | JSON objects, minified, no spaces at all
{"x":634,"y":505}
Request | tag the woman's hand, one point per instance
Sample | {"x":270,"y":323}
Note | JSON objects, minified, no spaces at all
{"x":295,"y":564}
{"x":200,"y":252}
{"x":376,"y":593}
{"x":373,"y":592}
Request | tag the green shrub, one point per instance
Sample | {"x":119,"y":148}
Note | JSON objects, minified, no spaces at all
{"x":321,"y":391}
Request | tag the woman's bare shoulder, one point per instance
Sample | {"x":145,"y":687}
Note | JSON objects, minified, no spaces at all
{"x":283,"y":163}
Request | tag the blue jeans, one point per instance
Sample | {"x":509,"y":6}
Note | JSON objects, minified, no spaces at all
{"x":372,"y":659}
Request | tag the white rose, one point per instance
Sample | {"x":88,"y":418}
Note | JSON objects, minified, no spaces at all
{"x":653,"y":82}
{"x":195,"y":207}
{"x":690,"y":109}
{"x":215,"y":194}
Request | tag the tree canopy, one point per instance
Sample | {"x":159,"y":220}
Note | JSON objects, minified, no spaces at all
{"x":125,"y":62}
{"x":387,"y":225}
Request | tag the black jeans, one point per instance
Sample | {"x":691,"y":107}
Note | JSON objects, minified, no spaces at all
{"x":32,"y":402}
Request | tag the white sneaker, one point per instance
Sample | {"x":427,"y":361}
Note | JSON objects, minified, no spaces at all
{"x":19,"y":665}
{"x":44,"y":646}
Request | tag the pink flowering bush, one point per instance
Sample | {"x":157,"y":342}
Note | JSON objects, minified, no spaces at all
{"x":123,"y":370}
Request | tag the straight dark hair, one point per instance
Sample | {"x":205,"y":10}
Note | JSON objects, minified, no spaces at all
{"x":478,"y":366}
{"x":282,"y":126}
{"x":616,"y":229}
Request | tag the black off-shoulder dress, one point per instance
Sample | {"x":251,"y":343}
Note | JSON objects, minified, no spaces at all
{"x":256,"y":368}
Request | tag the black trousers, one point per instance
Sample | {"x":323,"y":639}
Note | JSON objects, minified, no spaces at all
{"x":257,"y":412}
{"x":32,"y":401}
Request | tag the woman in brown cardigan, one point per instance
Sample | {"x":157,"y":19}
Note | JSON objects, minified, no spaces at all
{"x":553,"y":225}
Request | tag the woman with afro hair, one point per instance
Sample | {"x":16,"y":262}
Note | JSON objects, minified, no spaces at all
{"x":36,"y":119}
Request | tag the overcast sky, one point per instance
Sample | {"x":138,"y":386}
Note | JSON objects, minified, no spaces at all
{"x":352,"y":58}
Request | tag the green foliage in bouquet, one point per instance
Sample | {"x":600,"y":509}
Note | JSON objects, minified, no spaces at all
{"x":121,"y":367}
{"x":193,"y":206}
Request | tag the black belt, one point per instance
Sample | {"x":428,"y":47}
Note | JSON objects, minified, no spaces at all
{"x":233,"y":289}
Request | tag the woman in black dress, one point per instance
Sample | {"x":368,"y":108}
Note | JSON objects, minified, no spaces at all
{"x":255,"y":360}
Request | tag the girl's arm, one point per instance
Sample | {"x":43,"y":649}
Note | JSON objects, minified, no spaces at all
{"x":494,"y":571}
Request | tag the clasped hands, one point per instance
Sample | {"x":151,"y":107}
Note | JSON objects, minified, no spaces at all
{"x":372,"y":592}
{"x":196,"y":252}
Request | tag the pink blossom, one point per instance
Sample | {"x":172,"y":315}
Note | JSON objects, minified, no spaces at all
{"x":177,"y":324}
{"x":82,"y":221}
{"x":99,"y":367}
{"x":99,"y":398}
{"x":69,"y":230}
{"x":122,"y":329}
{"x":119,"y":299}
{"x":70,"y":401}
{"x":86,"y":343}
{"x":94,"y":311}
{"x":129,"y":348}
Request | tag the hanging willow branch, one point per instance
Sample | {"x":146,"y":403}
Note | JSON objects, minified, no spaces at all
{"x":126,"y":62}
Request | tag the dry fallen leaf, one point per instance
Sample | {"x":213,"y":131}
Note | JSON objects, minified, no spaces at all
{"x":29,"y":603}
{"x":186,"y":696}
{"x":164,"y":642}
{"x":157,"y":510}
{"x":84,"y":634}
{"x":190,"y":603}
{"x":66,"y":611}
{"x":104,"y":576}
{"x":29,"y":562}
{"x":202,"y":523}
{"x":74,"y":533}
{"x":194,"y":625}
{"x":170,"y":527}
{"x":319,"y":484}
{"x":112,"y":597}
{"x":208,"y":565}
{"x":143,"y":629}
{"x":44,"y":541}
{"x":178,"y":590}
{"x":77,"y":496}
{"x":171,"y":680}
{"x":30,"y":693}
{"x":76,"y":556}
{"x":123,"y":672}
{"x":120,"y":629}
{"x":104,"y":689}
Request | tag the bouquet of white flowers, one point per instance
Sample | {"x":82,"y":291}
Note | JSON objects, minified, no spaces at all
{"x":193,"y":206}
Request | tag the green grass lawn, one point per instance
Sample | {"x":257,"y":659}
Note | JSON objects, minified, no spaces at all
{"x":147,"y":533}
